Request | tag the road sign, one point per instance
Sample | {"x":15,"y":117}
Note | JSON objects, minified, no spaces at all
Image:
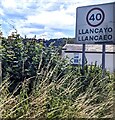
{"x":95,"y":24}
{"x":95,"y":17}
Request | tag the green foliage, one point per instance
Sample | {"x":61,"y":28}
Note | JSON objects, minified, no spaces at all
{"x":24,"y":58}
{"x":19,"y":60}
{"x":59,"y":90}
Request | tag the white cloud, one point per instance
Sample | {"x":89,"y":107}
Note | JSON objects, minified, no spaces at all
{"x":53,"y":18}
{"x":1,"y":12}
{"x":9,"y":3}
{"x":49,"y":35}
{"x":58,"y":34}
{"x":51,"y":14}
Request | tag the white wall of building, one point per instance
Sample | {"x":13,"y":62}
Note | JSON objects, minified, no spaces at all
{"x":92,"y":57}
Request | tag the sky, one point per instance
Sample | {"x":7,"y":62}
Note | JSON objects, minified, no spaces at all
{"x":48,"y":19}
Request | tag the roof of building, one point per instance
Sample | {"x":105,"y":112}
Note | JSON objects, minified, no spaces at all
{"x":89,"y":47}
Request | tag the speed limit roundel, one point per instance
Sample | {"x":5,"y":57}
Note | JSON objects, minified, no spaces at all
{"x":95,"y":17}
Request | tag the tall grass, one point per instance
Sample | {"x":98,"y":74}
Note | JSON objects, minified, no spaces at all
{"x":69,"y":96}
{"x":58,"y":90}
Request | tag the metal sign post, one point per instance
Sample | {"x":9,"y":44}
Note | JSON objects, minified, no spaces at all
{"x":83,"y":57}
{"x":103,"y":60}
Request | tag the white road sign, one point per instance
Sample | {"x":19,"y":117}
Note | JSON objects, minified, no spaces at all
{"x":95,"y":24}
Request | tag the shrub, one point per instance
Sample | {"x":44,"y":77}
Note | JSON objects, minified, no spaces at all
{"x":58,"y":90}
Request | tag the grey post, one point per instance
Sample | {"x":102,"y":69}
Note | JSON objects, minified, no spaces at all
{"x":83,"y":57}
{"x":103,"y":60}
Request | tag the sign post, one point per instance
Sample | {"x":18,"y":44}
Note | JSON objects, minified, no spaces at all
{"x":95,"y":24}
{"x":83,"y":57}
{"x":103,"y":60}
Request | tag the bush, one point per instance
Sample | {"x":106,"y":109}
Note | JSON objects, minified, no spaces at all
{"x":24,"y":58}
{"x":58,"y":90}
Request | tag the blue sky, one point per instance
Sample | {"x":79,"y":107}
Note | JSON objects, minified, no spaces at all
{"x":43,"y":18}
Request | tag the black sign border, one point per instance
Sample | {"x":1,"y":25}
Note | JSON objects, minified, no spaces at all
{"x":101,"y":20}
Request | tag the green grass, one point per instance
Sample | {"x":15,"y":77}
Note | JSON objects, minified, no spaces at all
{"x":59,"y":90}
{"x":67,"y":97}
